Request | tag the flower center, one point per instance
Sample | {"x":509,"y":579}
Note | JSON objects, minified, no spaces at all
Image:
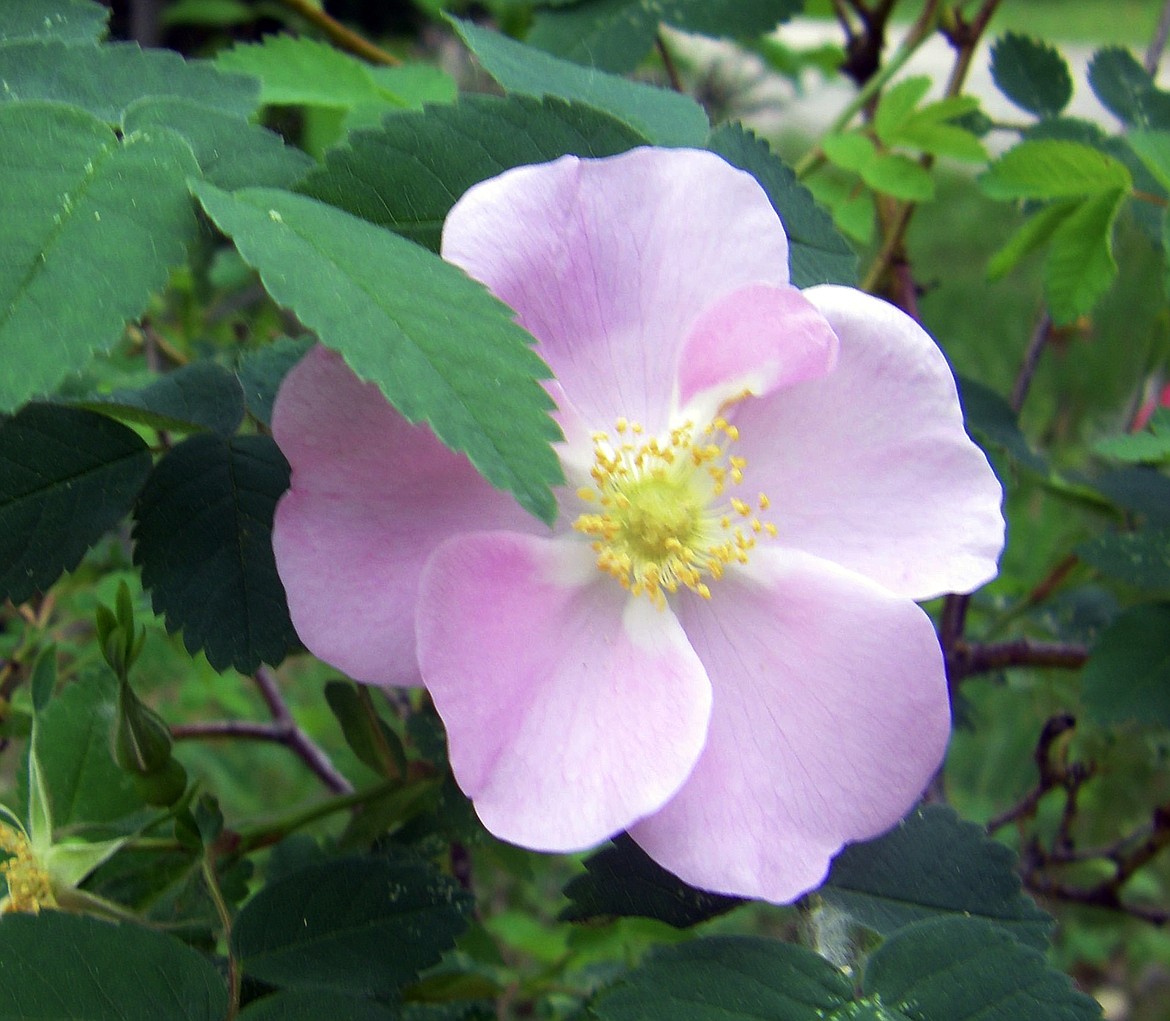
{"x":663,"y":518}
{"x":28,"y":884}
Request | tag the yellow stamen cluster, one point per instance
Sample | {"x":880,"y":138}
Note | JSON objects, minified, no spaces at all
{"x":29,"y":888}
{"x":663,"y":521}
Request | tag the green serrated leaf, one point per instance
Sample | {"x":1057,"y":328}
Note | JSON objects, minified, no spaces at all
{"x":315,"y":1004}
{"x":1128,"y":90}
{"x":232,"y":153}
{"x":407,"y":174}
{"x":436,"y":343}
{"x":817,"y":254}
{"x":1032,"y":74}
{"x":622,"y":880}
{"x":728,"y":978}
{"x":1080,"y":264}
{"x":67,"y":476}
{"x":1053,"y":169}
{"x":106,"y":80}
{"x":299,"y":71}
{"x":203,"y":538}
{"x":1127,"y":677}
{"x":362,"y":926}
{"x":260,"y":372}
{"x":934,"y":864}
{"x":849,"y":151}
{"x":1137,"y":558}
{"x":67,"y":21}
{"x":949,"y":140}
{"x":615,"y":35}
{"x":1034,"y":233}
{"x":83,"y":785}
{"x":968,"y":968}
{"x":897,"y":104}
{"x":1149,"y":446}
{"x":371,"y":740}
{"x":76,"y":967}
{"x":900,"y":177}
{"x":198,"y":397}
{"x":93,"y":224}
{"x":665,"y":118}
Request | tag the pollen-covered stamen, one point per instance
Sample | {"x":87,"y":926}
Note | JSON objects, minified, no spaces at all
{"x":663,"y":519}
{"x":29,"y":888}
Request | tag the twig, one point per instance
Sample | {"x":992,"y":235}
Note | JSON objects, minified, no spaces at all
{"x":1052,"y":775}
{"x":1158,"y":43}
{"x":339,"y":34}
{"x":283,"y":730}
{"x":1040,"y":337}
{"x":966,"y":660}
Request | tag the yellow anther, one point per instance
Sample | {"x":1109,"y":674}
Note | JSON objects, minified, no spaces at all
{"x":587,"y":494}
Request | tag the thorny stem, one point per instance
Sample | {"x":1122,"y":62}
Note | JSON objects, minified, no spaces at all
{"x":340,"y":35}
{"x":283,"y":730}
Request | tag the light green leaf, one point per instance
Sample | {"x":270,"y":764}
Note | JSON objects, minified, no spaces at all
{"x":1127,"y":677}
{"x":67,"y":476}
{"x":933,"y":864}
{"x":1054,"y":168}
{"x":70,"y":21}
{"x":1032,"y":74}
{"x":849,"y":151}
{"x":1080,"y":264}
{"x":87,"y":215}
{"x":414,"y":85}
{"x":951,"y":968}
{"x":77,"y":968}
{"x":665,"y":118}
{"x":899,"y":176}
{"x":407,"y":174}
{"x":897,"y":104}
{"x":1034,"y":233}
{"x":1153,"y":148}
{"x":105,"y":80}
{"x":929,"y":136}
{"x":437,"y":344}
{"x":1149,"y":446}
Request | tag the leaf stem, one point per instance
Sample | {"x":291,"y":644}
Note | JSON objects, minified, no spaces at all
{"x":225,"y":920}
{"x":343,"y":37}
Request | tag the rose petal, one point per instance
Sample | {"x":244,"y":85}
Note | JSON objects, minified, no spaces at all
{"x":610,"y":262}
{"x":830,"y":716}
{"x":371,"y":497}
{"x":755,"y":340}
{"x":870,"y":466}
{"x":571,"y":709}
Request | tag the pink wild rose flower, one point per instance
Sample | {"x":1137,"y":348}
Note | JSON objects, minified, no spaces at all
{"x":717,"y":647}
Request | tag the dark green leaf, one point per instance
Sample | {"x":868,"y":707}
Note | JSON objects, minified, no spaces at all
{"x":76,"y":968}
{"x":85,"y":785}
{"x":364,"y":926}
{"x":1137,"y":558}
{"x":67,"y":476}
{"x":1032,"y":74}
{"x":261,"y":371}
{"x":666,"y":118}
{"x":817,"y":253}
{"x":729,"y":978}
{"x":314,"y":1005}
{"x":952,"y":968}
{"x":232,"y":153}
{"x":196,"y":397}
{"x":933,"y":864}
{"x":92,"y":225}
{"x":1142,"y":491}
{"x":70,"y":21}
{"x":436,"y":343}
{"x":615,"y":35}
{"x":367,"y":735}
{"x":407,"y":174}
{"x":623,"y":880}
{"x":1127,"y":677}
{"x":1127,"y":89}
{"x":43,"y":680}
{"x":105,"y":80}
{"x":203,"y":537}
{"x":991,"y":422}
